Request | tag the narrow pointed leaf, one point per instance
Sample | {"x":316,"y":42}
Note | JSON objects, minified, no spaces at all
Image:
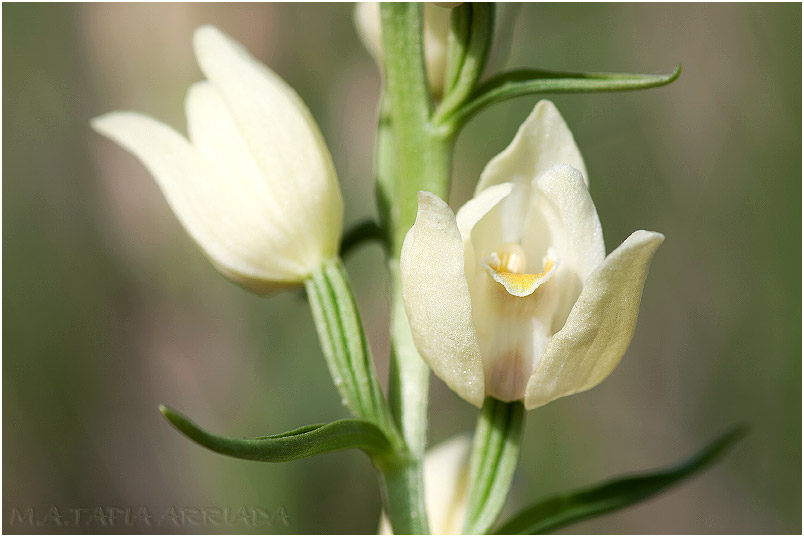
{"x":460,"y":23}
{"x":297,"y":444}
{"x":473,"y":61}
{"x":531,"y":81}
{"x":564,"y":509}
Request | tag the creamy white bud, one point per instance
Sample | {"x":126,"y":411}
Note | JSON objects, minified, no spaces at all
{"x":254,"y":185}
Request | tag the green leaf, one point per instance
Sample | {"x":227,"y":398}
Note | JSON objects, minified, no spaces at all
{"x":460,"y":23}
{"x":495,"y":453}
{"x":477,"y":18}
{"x":564,"y":509}
{"x":532,"y":81}
{"x":290,"y":446}
{"x":365,"y":231}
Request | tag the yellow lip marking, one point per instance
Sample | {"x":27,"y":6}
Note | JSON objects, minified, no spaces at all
{"x":506,"y":266}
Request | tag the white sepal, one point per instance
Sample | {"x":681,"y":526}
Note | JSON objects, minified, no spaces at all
{"x":437,"y":300}
{"x":562,"y":216}
{"x":599,"y":327}
{"x":542,"y":140}
{"x":281,"y":134}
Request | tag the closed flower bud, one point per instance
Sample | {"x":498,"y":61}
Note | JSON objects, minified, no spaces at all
{"x":253,"y":184}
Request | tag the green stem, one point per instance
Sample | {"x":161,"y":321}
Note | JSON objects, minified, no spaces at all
{"x":385,"y":167}
{"x":460,"y":24}
{"x":352,"y":368}
{"x":403,"y":497}
{"x":409,"y":384}
{"x":495,"y":452}
{"x":411,"y":156}
{"x":422,"y":152}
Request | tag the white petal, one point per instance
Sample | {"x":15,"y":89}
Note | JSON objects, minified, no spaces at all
{"x":486,"y":235}
{"x":282,"y":136}
{"x":285,"y":238}
{"x":437,"y":301}
{"x":513,"y":315}
{"x":203,"y":201}
{"x":541,"y":141}
{"x":476,"y":208}
{"x":562,"y":216}
{"x":600,"y":326}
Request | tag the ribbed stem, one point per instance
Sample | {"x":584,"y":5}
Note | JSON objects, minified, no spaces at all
{"x":409,"y":384}
{"x":422,"y":152}
{"x":411,"y":156}
{"x":495,"y":452}
{"x":403,"y":497}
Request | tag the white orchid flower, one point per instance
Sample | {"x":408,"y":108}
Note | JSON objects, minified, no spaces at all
{"x":436,"y":21}
{"x":446,"y":486}
{"x":254,"y":185}
{"x":514,"y":297}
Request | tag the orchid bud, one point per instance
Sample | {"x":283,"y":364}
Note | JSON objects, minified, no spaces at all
{"x":253,"y":184}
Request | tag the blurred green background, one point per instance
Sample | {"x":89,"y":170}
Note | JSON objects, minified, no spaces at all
{"x":109,"y":309}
